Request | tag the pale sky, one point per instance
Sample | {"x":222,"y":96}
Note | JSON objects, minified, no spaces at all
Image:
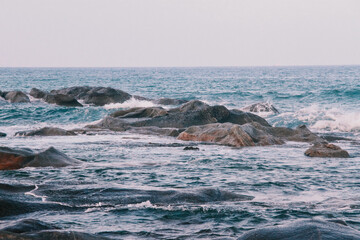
{"x":138,"y":33}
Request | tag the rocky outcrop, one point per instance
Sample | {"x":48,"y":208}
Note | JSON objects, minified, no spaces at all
{"x":304,"y":230}
{"x":2,"y":134}
{"x":326,"y":150}
{"x":37,"y":93}
{"x":169,"y":101}
{"x":16,"y":97}
{"x":31,"y":229}
{"x":15,"y":158}
{"x":261,"y":107}
{"x":58,"y":99}
{"x":46,"y":131}
{"x":230,"y":134}
{"x":97,"y":96}
{"x":149,"y":112}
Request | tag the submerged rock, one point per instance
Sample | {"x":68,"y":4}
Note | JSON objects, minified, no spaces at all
{"x":187,"y":148}
{"x":15,"y":158}
{"x":261,"y":107}
{"x":230,"y":134}
{"x":98,"y":96}
{"x":46,"y":131}
{"x":2,"y":134}
{"x":17,"y":97}
{"x":326,"y":150}
{"x":31,"y":229}
{"x":304,"y":230}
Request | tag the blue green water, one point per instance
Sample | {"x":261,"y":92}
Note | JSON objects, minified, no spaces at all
{"x":139,"y":186}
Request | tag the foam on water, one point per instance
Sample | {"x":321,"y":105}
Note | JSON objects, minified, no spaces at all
{"x":131,"y":103}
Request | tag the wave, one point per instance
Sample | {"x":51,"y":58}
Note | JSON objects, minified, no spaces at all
{"x":131,"y":103}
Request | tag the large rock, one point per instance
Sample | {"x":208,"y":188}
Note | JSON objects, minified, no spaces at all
{"x":46,"y":131}
{"x":261,"y":107}
{"x":98,"y":96}
{"x":304,"y":230}
{"x":299,"y":134}
{"x":37,"y":93}
{"x":326,"y":150}
{"x":15,"y":158}
{"x":169,"y":101}
{"x":31,"y":229}
{"x":62,"y":100}
{"x":149,"y":112}
{"x":17,"y":97}
{"x":229,"y":134}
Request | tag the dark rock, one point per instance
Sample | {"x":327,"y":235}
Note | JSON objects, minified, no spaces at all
{"x":171,"y":132}
{"x":304,"y":230}
{"x":15,"y":158}
{"x":62,"y":100}
{"x":2,"y":134}
{"x":37,"y":93}
{"x":17,"y":97}
{"x":240,"y":117}
{"x":149,"y":112}
{"x":111,"y":123}
{"x":332,"y":138}
{"x":98,"y":96}
{"x":300,"y":134}
{"x":230,"y":134}
{"x":261,"y":107}
{"x":169,"y":101}
{"x":191,"y":148}
{"x":46,"y":131}
{"x":326,"y":150}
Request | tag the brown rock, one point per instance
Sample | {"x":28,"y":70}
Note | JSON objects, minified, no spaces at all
{"x":46,"y":131}
{"x":326,"y":150}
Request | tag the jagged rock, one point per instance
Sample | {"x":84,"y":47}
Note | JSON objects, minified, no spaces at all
{"x":15,"y":158}
{"x":170,"y":101}
{"x":37,"y":93}
{"x":304,"y":230}
{"x":62,"y":100}
{"x":326,"y":150}
{"x":2,"y":134}
{"x":149,"y":112}
{"x":261,"y":107}
{"x":229,"y":134}
{"x":17,"y":97}
{"x":46,"y":131}
{"x":98,"y":96}
{"x":111,"y":123}
{"x":299,"y":134}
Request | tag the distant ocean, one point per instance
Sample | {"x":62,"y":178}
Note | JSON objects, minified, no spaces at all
{"x":117,"y":192}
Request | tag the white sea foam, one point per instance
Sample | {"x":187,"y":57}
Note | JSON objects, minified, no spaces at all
{"x":131,"y":103}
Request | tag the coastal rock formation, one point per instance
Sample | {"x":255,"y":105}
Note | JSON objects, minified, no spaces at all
{"x":261,"y":107}
{"x":169,"y":101}
{"x":230,"y":134}
{"x":31,"y":229}
{"x":326,"y":150}
{"x":149,"y":112}
{"x":15,"y":158}
{"x":16,"y":97}
{"x":46,"y":131}
{"x":98,"y":96}
{"x":58,"y":99}
{"x":2,"y":134}
{"x":304,"y":230}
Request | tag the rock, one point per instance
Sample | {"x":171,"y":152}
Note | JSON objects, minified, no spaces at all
{"x":300,"y":134}
{"x":15,"y":158}
{"x":31,"y":229}
{"x":2,"y":134}
{"x":229,"y":134}
{"x":111,"y":123}
{"x":261,"y":107}
{"x":37,"y":93}
{"x":304,"y":230}
{"x":46,"y":131}
{"x":187,"y":148}
{"x":171,"y":132}
{"x":17,"y":97}
{"x":326,"y":150}
{"x":149,"y":112}
{"x":332,"y":138}
{"x":98,"y":96}
{"x":62,"y":100}
{"x":169,"y":101}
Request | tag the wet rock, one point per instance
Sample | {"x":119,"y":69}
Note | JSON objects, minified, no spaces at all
{"x":326,"y":150}
{"x":191,"y":148}
{"x":37,"y":93}
{"x":261,"y":107}
{"x":304,"y":230}
{"x":111,"y":123}
{"x":149,"y":112}
{"x":299,"y":134}
{"x":170,"y":101}
{"x":2,"y":134}
{"x":230,"y":135}
{"x":333,"y":138}
{"x":15,"y":158}
{"x":17,"y":97}
{"x":98,"y":96}
{"x":62,"y":100}
{"x":46,"y":131}
{"x":171,"y":132}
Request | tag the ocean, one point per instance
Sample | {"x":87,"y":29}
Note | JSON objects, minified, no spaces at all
{"x":134,"y":186}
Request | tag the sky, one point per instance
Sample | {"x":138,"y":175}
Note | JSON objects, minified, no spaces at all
{"x":166,"y":33}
